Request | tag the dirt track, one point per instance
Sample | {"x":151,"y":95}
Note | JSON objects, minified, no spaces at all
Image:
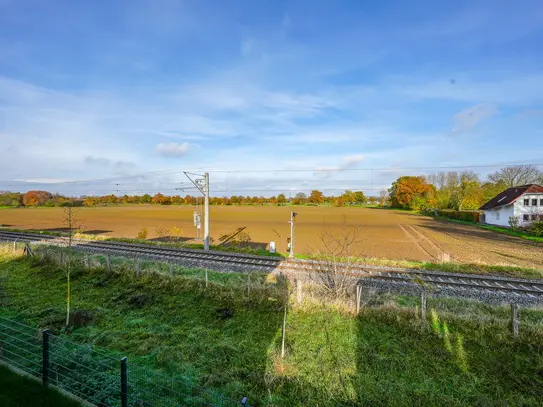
{"x":384,"y":234}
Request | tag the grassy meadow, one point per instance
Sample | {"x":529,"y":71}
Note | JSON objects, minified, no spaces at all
{"x":226,"y":339}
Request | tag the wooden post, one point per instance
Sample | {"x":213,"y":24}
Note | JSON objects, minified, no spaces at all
{"x":108,"y":263}
{"x":284,"y":332}
{"x":171,"y":270}
{"x":514,"y":319}
{"x":299,"y":292}
{"x":86,"y":261}
{"x":14,"y":246}
{"x":207,"y":279}
{"x":358,"y":298}
{"x":423,"y":305}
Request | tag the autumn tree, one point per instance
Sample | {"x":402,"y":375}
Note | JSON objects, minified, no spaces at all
{"x":411,"y":192}
{"x":281,"y":199}
{"x":11,"y":199}
{"x":348,"y":197}
{"x":316,"y":197}
{"x":36,"y":198}
{"x":299,"y":199}
{"x":360,"y":198}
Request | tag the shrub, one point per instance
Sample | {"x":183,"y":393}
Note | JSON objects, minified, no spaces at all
{"x":536,"y":228}
{"x":514,"y":222}
{"x":176,"y":232}
{"x":471,"y":216}
{"x":142,"y":234}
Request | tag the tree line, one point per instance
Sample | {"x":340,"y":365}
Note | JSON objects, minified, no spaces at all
{"x":443,"y":190}
{"x":44,"y":198}
{"x":458,"y":190}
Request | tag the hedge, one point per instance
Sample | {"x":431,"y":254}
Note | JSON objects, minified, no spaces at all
{"x":472,"y":216}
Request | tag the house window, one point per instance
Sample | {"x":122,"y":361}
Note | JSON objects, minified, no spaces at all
{"x":526,"y":202}
{"x":525,"y":217}
{"x":534,"y":217}
{"x":541,"y":202}
{"x":534,"y":202}
{"x":497,"y":215}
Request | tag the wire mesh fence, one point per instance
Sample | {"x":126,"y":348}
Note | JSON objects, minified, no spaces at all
{"x":81,"y":370}
{"x":21,"y":346}
{"x":95,"y":377}
{"x":151,"y":389}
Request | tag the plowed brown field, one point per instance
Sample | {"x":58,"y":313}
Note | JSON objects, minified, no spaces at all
{"x":385,"y":234}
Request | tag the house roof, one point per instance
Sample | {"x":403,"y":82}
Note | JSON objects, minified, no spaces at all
{"x":510,"y":195}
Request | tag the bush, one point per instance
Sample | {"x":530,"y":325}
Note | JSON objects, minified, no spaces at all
{"x":471,"y":216}
{"x":514,"y":222}
{"x":536,"y":228}
{"x":142,"y":234}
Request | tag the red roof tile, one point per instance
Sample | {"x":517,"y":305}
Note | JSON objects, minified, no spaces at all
{"x":511,"y":195}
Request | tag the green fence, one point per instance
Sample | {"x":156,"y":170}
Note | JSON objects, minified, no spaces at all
{"x":95,"y":377}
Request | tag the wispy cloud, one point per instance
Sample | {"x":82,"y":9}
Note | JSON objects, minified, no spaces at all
{"x":467,"y":119}
{"x":173,"y":149}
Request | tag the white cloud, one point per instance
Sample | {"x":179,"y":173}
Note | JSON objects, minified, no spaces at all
{"x":467,"y":119}
{"x":173,"y":149}
{"x":354,"y":159}
{"x":106,"y":162}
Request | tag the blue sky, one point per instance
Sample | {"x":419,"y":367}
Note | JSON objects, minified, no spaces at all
{"x":92,"y":90}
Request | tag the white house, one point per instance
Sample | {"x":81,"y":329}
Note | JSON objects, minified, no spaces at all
{"x":524,"y":203}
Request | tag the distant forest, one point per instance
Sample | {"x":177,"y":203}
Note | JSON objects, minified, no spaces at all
{"x":443,"y":190}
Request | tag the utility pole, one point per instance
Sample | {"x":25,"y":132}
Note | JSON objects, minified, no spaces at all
{"x":206,"y":211}
{"x":291,"y":248}
{"x":202,"y":184}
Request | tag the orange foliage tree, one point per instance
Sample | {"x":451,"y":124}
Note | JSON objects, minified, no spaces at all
{"x":35,"y":198}
{"x":411,"y":192}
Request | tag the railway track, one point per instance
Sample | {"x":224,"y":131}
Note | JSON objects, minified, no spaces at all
{"x":306,"y":269}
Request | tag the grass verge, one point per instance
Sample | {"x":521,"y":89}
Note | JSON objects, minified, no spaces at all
{"x":228,"y":340}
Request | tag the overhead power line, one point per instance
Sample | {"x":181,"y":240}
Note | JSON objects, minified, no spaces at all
{"x":14,"y":183}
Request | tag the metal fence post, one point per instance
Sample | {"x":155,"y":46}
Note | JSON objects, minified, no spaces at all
{"x":45,"y":357}
{"x":124,"y":383}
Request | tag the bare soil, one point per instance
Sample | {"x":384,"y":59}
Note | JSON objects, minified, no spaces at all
{"x":384,"y":234}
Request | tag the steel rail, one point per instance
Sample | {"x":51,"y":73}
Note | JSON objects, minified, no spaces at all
{"x":357,"y":271}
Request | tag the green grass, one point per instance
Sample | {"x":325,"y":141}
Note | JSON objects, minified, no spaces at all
{"x":465,"y":355}
{"x":20,"y":391}
{"x":506,"y":231}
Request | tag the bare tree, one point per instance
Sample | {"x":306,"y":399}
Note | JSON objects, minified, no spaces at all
{"x":383,"y":197}
{"x":71,"y":222}
{"x":516,"y":175}
{"x":333,"y":266}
